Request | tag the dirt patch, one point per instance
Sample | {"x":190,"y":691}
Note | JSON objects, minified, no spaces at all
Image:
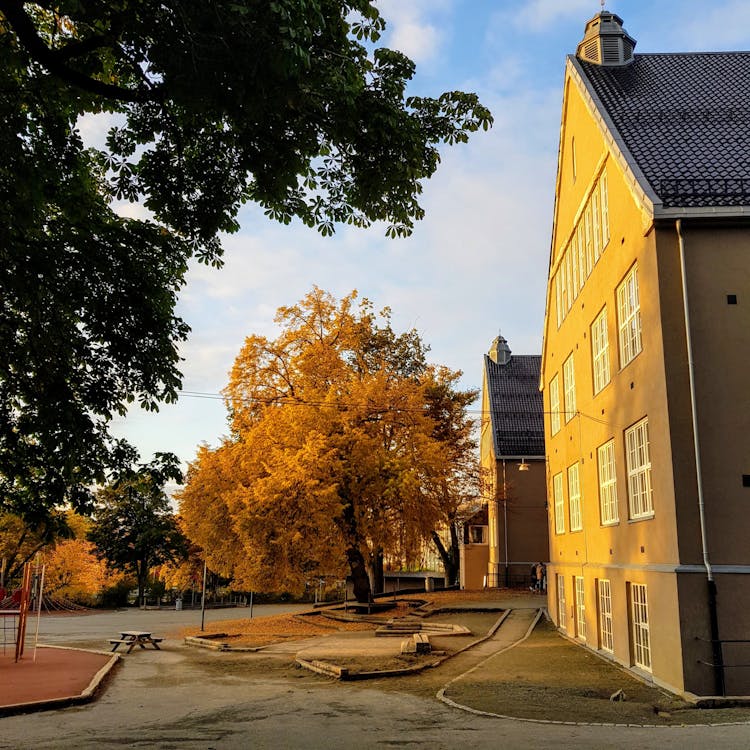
{"x":548,"y":677}
{"x":262,"y":631}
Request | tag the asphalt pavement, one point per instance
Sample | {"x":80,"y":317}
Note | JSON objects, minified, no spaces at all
{"x":197,"y":699}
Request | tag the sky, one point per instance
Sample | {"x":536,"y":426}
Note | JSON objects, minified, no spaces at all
{"x":477,"y":263}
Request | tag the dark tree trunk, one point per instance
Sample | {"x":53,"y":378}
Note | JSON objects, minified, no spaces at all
{"x":376,"y":573}
{"x":450,"y":557}
{"x":360,"y":579}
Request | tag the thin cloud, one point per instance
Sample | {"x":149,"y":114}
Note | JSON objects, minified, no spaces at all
{"x":411,"y":27}
{"x":542,"y":15}
{"x":718,"y":26}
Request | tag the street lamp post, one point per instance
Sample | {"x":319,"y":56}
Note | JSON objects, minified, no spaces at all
{"x":203,"y":597}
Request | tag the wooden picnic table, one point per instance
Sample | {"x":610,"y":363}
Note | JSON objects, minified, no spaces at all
{"x":133,"y":638}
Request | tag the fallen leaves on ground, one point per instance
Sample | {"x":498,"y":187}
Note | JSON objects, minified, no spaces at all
{"x":261,"y":631}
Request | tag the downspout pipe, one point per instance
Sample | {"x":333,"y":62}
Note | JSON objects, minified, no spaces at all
{"x":718,"y":661}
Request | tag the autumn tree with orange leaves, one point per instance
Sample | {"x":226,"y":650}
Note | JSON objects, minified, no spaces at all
{"x":335,"y":453}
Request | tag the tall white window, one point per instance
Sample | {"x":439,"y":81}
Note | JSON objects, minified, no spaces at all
{"x":607,"y":483}
{"x":574,"y":498}
{"x":554,"y":405}
{"x":569,"y":383}
{"x":562,"y":611}
{"x":569,"y":274}
{"x":641,"y":639}
{"x":589,"y":240}
{"x":580,"y":604}
{"x":558,"y":298}
{"x":606,"y":640}
{"x":559,"y":498}
{"x":573,"y":251}
{"x":640,"y":499}
{"x":629,"y":317}
{"x":582,"y":255}
{"x":564,"y":285}
{"x":604,"y":201}
{"x":596,"y":231}
{"x":600,"y":351}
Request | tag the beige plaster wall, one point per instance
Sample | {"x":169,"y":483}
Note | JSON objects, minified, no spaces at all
{"x":474,"y":565}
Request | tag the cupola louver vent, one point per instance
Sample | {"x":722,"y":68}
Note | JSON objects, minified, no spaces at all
{"x":605,"y":42}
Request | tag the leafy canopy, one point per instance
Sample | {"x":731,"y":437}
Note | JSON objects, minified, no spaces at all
{"x":284,"y":103}
{"x":134,"y":528}
{"x":334,"y":456}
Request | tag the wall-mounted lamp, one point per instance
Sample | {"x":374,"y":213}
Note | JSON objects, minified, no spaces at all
{"x":523,"y":466}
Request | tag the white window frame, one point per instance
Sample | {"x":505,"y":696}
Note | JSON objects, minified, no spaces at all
{"x":638,"y":461}
{"x":580,"y":607}
{"x":569,"y":273}
{"x":604,"y":208}
{"x":607,"y":484}
{"x":554,"y":405}
{"x":640,"y":628}
{"x":606,"y":638}
{"x":596,"y":222}
{"x":559,"y":503}
{"x":600,"y":351}
{"x":589,"y":240}
{"x":562,"y":612}
{"x":573,"y":252}
{"x":558,"y":298}
{"x":569,"y":388}
{"x":581,"y":254}
{"x":478,"y":534}
{"x":629,"y":317}
{"x":574,"y":498}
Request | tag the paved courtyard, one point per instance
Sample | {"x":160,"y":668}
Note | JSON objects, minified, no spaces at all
{"x":192,"y":698}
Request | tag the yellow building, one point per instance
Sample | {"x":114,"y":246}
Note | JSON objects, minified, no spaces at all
{"x":513,"y":472}
{"x":646,"y":359}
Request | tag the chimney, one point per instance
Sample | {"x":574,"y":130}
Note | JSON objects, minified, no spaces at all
{"x":499,"y":351}
{"x":605,"y":42}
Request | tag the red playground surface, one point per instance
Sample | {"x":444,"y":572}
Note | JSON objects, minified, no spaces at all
{"x":58,"y":676}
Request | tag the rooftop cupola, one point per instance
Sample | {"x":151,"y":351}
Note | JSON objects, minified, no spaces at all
{"x":605,"y":42}
{"x":500,"y":351}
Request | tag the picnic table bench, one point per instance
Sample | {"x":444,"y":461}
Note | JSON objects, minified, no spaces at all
{"x":133,"y":638}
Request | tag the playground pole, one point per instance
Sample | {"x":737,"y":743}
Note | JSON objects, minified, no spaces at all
{"x":40,"y":596}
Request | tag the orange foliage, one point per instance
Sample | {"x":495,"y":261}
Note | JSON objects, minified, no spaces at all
{"x":333,"y":455}
{"x":74,"y":572}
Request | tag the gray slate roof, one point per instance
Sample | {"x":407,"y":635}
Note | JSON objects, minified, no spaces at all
{"x":515,"y":402}
{"x":685,"y":118}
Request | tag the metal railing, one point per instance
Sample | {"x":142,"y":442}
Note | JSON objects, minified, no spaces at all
{"x":720,"y":665}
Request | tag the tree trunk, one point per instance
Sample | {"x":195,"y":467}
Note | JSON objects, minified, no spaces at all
{"x":450,"y":557}
{"x":360,"y":579}
{"x":377,"y":579}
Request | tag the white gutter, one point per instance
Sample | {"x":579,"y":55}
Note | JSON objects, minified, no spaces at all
{"x":694,"y":409}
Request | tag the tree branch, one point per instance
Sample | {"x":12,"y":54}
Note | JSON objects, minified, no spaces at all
{"x":54,"y":61}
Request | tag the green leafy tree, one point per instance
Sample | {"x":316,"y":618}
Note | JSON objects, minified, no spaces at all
{"x":282,"y":103}
{"x":134,"y":528}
